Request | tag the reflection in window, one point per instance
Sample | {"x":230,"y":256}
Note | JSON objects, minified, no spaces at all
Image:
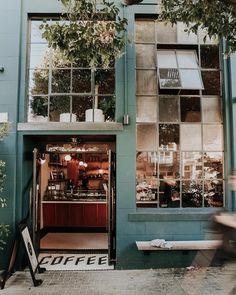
{"x":190,"y":109}
{"x":145,"y":31}
{"x":61,"y":81}
{"x":213,"y":165}
{"x":211,"y":110}
{"x":166,"y":33}
{"x":178,"y":69}
{"x":146,"y":82}
{"x":79,"y":106}
{"x":181,"y":120}
{"x":168,"y":136}
{"x":210,"y":56}
{"x":213,"y":193}
{"x":191,"y":137}
{"x":81,"y":81}
{"x":192,"y":193}
{"x":192,"y":165}
{"x":211,"y":80}
{"x":145,"y":56}
{"x":146,"y":109}
{"x":169,"y":109}
{"x":147,"y":139}
{"x":212,"y":137}
{"x":51,"y":75}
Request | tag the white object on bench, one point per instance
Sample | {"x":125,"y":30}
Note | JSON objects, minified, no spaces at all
{"x":181,"y":245}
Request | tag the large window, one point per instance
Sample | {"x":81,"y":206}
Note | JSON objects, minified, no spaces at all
{"x":63,"y":91}
{"x":179,"y":158}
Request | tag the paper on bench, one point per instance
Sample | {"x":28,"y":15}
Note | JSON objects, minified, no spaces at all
{"x":161,"y":243}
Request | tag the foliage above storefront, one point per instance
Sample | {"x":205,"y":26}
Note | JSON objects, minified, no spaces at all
{"x":216,"y":16}
{"x":88,"y":32}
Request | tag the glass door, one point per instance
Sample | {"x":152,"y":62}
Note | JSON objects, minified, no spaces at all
{"x":111,"y":205}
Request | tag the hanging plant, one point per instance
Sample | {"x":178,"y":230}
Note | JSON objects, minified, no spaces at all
{"x":88,"y":33}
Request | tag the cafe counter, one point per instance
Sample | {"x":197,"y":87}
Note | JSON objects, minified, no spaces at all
{"x":75,"y":213}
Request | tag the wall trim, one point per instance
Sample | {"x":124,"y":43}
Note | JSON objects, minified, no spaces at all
{"x":58,"y":126}
{"x":170,"y":216}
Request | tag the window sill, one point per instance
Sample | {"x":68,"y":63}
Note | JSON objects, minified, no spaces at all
{"x":70,"y":126}
{"x":172,"y":214}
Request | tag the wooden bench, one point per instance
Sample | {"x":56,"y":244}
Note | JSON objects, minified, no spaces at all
{"x":181,"y":245}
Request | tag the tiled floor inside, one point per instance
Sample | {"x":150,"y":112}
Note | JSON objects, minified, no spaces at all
{"x":74,"y":241}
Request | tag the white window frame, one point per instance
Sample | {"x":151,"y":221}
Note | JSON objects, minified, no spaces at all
{"x":177,"y":79}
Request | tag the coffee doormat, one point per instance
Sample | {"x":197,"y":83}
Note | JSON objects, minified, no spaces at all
{"x":74,"y":261}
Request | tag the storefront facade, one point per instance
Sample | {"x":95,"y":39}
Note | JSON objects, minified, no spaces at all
{"x":166,"y":110}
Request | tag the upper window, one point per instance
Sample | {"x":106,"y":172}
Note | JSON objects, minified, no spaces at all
{"x":179,"y":130}
{"x":63,"y":91}
{"x":178,"y":69}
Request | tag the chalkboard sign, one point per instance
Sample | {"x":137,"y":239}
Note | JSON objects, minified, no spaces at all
{"x":30,"y":253}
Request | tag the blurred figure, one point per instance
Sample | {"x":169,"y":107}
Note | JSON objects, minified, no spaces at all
{"x":175,"y":200}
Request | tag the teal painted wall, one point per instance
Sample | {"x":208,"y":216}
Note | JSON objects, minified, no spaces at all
{"x":132,"y":224}
{"x":9,"y":83}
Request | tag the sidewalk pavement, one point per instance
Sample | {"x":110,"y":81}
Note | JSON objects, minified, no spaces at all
{"x":193,"y":281}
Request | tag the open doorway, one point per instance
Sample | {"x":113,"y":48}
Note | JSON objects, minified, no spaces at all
{"x":75,"y":196}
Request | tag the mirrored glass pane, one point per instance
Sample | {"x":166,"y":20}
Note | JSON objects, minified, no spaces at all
{"x":190,"y":109}
{"x":145,"y":56}
{"x":147,"y":139}
{"x":169,"y":164}
{"x":211,"y":82}
{"x":61,"y":81}
{"x":146,"y":180}
{"x":209,"y":56}
{"x":81,"y":81}
{"x":166,"y":59}
{"x":60,"y":105}
{"x":190,"y":79}
{"x":146,"y":82}
{"x":213,"y":165}
{"x":105,"y":80}
{"x":38,"y":109}
{"x":185,"y":37}
{"x":187,"y":59}
{"x":212,"y":137}
{"x":107,"y":105}
{"x":169,"y":78}
{"x":192,"y":193}
{"x":211,"y":109}
{"x":146,"y":163}
{"x":38,"y":81}
{"x":169,"y":109}
{"x":146,"y":109}
{"x":192,"y":165}
{"x":168,"y":137}
{"x":191,"y":139}
{"x":145,"y":31}
{"x":39,"y":56}
{"x":79,"y":106}
{"x":169,"y":195}
{"x":166,"y":33}
{"x":213,"y":193}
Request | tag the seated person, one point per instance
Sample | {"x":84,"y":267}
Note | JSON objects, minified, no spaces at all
{"x":175,"y":200}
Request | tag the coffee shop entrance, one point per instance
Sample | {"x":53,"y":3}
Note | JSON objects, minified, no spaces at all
{"x":73,"y":199}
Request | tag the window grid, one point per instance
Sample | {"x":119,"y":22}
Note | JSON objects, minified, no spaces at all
{"x":202,"y":123}
{"x":37,"y":61}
